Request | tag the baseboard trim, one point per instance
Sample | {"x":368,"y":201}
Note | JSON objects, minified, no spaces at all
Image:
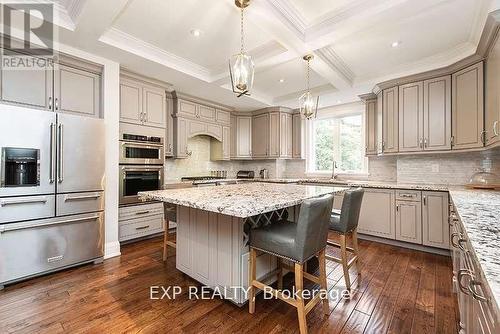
{"x":405,"y":245}
{"x":112,"y":249}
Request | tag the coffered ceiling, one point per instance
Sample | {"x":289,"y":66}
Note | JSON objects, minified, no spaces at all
{"x":351,"y":40}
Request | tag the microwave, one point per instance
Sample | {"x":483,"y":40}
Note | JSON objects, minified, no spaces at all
{"x":141,"y":150}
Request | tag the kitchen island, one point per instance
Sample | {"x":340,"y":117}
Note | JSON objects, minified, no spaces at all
{"x":213,"y":225}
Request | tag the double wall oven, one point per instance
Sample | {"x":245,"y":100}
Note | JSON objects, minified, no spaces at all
{"x":141,"y":166}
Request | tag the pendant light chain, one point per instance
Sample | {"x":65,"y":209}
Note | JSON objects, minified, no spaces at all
{"x":308,"y":74}
{"x":242,"y":30}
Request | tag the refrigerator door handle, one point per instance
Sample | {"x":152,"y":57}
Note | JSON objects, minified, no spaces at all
{"x":14,"y":201}
{"x":60,"y":162}
{"x":82,"y":197}
{"x":7,"y":228}
{"x":52,"y":153}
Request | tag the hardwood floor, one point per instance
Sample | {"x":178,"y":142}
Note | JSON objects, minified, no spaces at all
{"x":398,"y":291}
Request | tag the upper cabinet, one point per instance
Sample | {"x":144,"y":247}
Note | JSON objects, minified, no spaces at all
{"x":142,"y":103}
{"x":169,"y":135}
{"x":70,"y":88}
{"x":411,"y":103}
{"x":260,"y":135}
{"x":272,"y":134}
{"x":371,"y":127}
{"x":492,"y":110}
{"x":467,"y":108}
{"x":390,"y":133}
{"x":297,"y":137}
{"x":241,"y":129}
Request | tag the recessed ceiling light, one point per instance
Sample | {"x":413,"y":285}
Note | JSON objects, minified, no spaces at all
{"x":338,"y":101}
{"x":196,"y":32}
{"x":282,"y":80}
{"x":396,"y":44}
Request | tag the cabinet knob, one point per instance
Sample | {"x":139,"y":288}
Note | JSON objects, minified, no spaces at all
{"x":495,"y":130}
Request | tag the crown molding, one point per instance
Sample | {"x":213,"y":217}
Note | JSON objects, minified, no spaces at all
{"x":328,"y":55}
{"x":129,"y":43}
{"x":290,"y":16}
{"x":183,"y":96}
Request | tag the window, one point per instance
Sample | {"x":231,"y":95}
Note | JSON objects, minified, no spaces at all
{"x":340,"y":139}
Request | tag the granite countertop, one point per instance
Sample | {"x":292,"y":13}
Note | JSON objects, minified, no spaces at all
{"x":241,"y":200}
{"x":379,"y":184}
{"x":479,"y":212}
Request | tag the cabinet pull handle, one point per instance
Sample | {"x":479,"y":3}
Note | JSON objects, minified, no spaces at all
{"x":142,"y":227}
{"x":6,"y":202}
{"x":425,"y":200}
{"x":397,"y":208}
{"x":142,"y":212}
{"x":483,"y":137}
{"x":461,"y":274}
{"x":453,"y":241}
{"x":472,"y":284}
{"x":57,"y":103}
{"x":421,"y":143}
{"x":425,"y":142}
{"x":50,"y":102}
{"x":452,"y":141}
{"x":495,"y":130}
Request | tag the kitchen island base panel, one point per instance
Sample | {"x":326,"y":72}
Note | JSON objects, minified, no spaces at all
{"x":212,"y":249}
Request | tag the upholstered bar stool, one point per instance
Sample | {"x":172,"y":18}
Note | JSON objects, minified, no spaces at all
{"x":345,"y":223}
{"x":296,"y":242}
{"x":170,"y":215}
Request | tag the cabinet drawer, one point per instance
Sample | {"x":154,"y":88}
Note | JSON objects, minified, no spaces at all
{"x":26,"y":207}
{"x":69,"y":204}
{"x":140,"y":211}
{"x":408,"y":195}
{"x":140,"y":227}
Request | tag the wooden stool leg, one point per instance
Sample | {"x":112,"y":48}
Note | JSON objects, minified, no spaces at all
{"x":165,"y":240}
{"x":299,"y":284}
{"x":322,"y":280}
{"x":280,"y":274}
{"x":343,"y":252}
{"x":251,"y":278}
{"x":355,"y":246}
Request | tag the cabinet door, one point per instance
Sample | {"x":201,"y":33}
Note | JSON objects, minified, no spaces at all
{"x":169,"y":133}
{"x":380,"y":123}
{"x":186,"y":108}
{"x":409,"y":221}
{"x":180,"y":138}
{"x":226,"y":143}
{"x":234,"y":136}
{"x":283,"y":135}
{"x":492,"y":111}
{"x":260,"y":136}
{"x":411,"y":102}
{"x":77,"y":91}
{"x":130,"y":102}
{"x":274,"y":135}
{"x":206,"y":113}
{"x":371,"y":127}
{"x":377,"y":215}
{"x":289,"y":136}
{"x":154,"y":106}
{"x":390,"y":120}
{"x":436,"y":229}
{"x":467,"y":108}
{"x":184,"y":235}
{"x":27,"y":88}
{"x":437,"y":114}
{"x":297,"y":136}
{"x":244,"y":133}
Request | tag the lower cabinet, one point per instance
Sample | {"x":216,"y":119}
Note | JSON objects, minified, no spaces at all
{"x":409,"y":221}
{"x":435,"y":227}
{"x":138,"y":221}
{"x":377,"y":215}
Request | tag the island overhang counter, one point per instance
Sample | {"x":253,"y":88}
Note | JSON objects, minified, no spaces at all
{"x":213,"y":225}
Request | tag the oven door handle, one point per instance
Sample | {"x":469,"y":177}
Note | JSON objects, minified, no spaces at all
{"x":7,"y":228}
{"x":139,"y":145}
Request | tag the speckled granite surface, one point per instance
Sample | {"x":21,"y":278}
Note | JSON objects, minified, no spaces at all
{"x":380,"y":184}
{"x":241,"y":200}
{"x":479,"y":212}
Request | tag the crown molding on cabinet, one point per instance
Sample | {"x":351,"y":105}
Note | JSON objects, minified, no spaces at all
{"x":125,"y":73}
{"x":179,"y":95}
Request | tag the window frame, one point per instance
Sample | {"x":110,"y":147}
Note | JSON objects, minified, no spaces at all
{"x":309,"y":141}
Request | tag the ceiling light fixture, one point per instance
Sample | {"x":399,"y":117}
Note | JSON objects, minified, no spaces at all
{"x":396,"y":44}
{"x":339,"y":101}
{"x":196,"y":32}
{"x":282,"y":80}
{"x":308,"y":104}
{"x":241,"y":66}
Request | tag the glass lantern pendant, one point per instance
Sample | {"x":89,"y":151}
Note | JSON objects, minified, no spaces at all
{"x":241,"y":66}
{"x":308,"y":103}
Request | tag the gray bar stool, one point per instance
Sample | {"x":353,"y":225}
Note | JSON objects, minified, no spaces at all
{"x":296,"y":242}
{"x":345,"y":223}
{"x":170,"y":215}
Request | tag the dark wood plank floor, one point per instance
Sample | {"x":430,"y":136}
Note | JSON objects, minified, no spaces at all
{"x":398,"y":291}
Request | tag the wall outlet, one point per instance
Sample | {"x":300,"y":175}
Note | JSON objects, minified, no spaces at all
{"x":435,"y":168}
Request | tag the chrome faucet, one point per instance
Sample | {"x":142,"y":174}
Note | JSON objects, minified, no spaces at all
{"x":334,"y":165}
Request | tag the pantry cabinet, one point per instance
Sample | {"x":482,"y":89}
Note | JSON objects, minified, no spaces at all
{"x":467,"y":108}
{"x":371,"y":127}
{"x":390,"y":120}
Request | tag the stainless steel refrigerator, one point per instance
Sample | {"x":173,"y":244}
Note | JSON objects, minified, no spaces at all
{"x":51,"y":192}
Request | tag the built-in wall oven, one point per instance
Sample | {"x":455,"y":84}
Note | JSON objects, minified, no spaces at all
{"x":134,"y":179}
{"x":141,"y":150}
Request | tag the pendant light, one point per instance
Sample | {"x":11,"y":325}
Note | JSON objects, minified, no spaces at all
{"x":308,"y":104}
{"x":241,"y":66}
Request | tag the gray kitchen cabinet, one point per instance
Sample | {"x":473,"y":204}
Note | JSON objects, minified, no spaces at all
{"x":371,"y":127}
{"x":242,"y":130}
{"x":77,"y":91}
{"x":130,"y":102}
{"x":411,"y":103}
{"x":380,"y":123}
{"x":234,"y":136}
{"x":437,"y":114}
{"x":285,"y":131}
{"x":492,"y":94}
{"x":409,"y":221}
{"x":186,"y":109}
{"x":289,"y":136}
{"x":26,"y":88}
{"x":260,"y":135}
{"x":223,"y":117}
{"x":390,"y":120}
{"x":138,"y":221}
{"x":435,"y":224}
{"x":468,"y":108}
{"x":297,"y":137}
{"x":274,"y":135}
{"x":180,"y":137}
{"x":377,"y":215}
{"x":154,"y":106}
{"x":169,"y":133}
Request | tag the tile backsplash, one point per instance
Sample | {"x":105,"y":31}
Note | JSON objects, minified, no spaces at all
{"x":444,"y":168}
